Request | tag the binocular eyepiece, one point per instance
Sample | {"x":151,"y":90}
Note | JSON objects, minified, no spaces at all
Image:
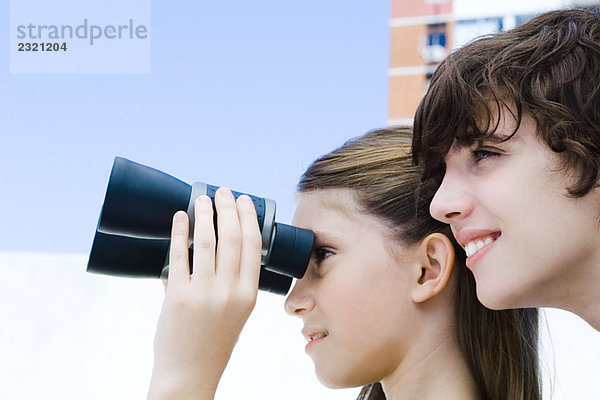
{"x":133,"y":234}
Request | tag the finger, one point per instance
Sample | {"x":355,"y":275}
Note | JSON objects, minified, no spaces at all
{"x":204,"y":239}
{"x":179,"y":266}
{"x":251,"y":242}
{"x":230,"y":237}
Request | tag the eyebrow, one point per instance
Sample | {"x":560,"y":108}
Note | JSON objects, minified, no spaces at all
{"x":502,"y":138}
{"x":323,"y":237}
{"x":490,"y":138}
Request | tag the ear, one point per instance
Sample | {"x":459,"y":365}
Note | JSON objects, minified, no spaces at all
{"x":436,"y":259}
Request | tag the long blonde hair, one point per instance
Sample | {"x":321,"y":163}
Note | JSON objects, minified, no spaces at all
{"x":500,"y":347}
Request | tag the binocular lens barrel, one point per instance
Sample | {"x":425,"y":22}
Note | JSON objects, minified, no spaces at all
{"x":133,"y":234}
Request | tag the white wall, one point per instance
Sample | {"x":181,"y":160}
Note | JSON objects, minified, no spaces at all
{"x":67,"y":334}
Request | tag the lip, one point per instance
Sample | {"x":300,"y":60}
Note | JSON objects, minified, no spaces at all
{"x":310,"y":332}
{"x":478,"y":255}
{"x":466,"y":236}
{"x":313,"y":343}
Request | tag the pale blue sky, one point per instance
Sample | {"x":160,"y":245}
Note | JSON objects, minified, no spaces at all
{"x":241,"y":94}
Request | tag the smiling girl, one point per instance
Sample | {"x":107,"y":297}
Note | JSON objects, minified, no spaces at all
{"x":385,"y":303}
{"x":510,"y":126}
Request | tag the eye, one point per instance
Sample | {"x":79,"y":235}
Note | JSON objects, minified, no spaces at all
{"x":321,"y":253}
{"x":483,"y":153}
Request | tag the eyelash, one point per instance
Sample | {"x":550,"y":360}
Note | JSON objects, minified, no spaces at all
{"x":321,"y":254}
{"x":478,"y":154}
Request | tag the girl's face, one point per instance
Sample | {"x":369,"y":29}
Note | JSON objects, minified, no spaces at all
{"x":528,"y":243}
{"x":354,"y":299}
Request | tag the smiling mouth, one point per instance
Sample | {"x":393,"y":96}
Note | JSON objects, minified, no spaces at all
{"x":475,"y":245}
{"x":316,"y":336}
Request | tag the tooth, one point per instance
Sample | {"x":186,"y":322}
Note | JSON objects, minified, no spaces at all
{"x":472,"y":248}
{"x":480,"y":245}
{"x":488,"y":241}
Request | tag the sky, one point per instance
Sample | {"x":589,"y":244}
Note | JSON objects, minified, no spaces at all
{"x":239,"y":94}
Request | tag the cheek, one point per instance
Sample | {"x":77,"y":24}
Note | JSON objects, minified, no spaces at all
{"x":346,"y":294}
{"x":535,"y":215}
{"x":368,"y":316}
{"x":367,"y":303}
{"x":502,"y":195}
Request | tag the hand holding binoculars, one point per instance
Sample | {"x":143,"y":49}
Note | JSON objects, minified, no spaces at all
{"x":133,"y":234}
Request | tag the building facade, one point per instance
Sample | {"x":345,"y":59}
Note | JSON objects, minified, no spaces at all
{"x":423,"y":32}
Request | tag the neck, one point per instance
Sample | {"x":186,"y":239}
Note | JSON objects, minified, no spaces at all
{"x":574,"y":287}
{"x":445,"y":362}
{"x":583,"y":296}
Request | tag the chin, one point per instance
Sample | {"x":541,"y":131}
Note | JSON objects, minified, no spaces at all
{"x":341,"y":379}
{"x":496,"y":299}
{"x":493,"y":305}
{"x":332,"y":382}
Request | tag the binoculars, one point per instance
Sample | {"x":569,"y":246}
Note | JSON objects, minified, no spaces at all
{"x":132,"y":238}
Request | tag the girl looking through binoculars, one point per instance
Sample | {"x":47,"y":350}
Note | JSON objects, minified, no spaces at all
{"x":387,"y":302}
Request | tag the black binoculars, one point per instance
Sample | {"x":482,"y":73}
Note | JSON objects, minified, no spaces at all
{"x":133,"y":234}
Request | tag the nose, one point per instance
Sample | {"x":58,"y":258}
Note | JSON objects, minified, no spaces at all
{"x":301,"y":299}
{"x":452,"y":200}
